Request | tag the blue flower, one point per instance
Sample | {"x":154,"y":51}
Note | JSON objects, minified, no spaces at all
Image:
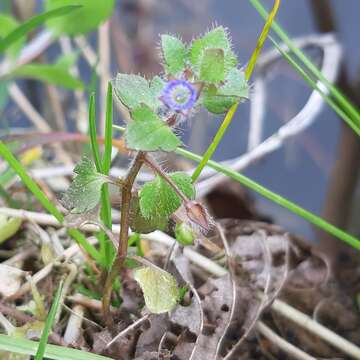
{"x":179,"y":95}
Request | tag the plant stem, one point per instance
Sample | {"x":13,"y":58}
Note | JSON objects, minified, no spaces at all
{"x":230,"y":114}
{"x":124,"y":232}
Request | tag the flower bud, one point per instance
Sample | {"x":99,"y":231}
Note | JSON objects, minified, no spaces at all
{"x":198,"y":214}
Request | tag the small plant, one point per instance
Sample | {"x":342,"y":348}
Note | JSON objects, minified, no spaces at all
{"x":202,"y":74}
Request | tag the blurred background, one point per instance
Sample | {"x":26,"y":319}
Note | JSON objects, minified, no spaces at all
{"x":309,"y":169}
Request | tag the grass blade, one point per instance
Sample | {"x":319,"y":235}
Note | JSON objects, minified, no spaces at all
{"x":313,"y":84}
{"x":93,"y":134}
{"x":276,"y":198}
{"x":32,"y":23}
{"x":48,"y":324}
{"x":272,"y":196}
{"x":345,"y":103}
{"x":54,"y":352}
{"x":44,"y":201}
{"x":106,"y":215}
{"x":230,"y":114}
{"x":106,"y":248}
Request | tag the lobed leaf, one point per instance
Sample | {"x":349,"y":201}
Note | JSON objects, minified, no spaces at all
{"x":84,"y":192}
{"x":158,"y":199}
{"x":134,"y":90}
{"x":174,"y":53}
{"x":147,"y":132}
{"x":160,"y":289}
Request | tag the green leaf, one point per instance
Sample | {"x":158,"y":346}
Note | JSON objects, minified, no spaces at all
{"x":91,"y":14}
{"x":184,"y":234}
{"x":160,"y":290}
{"x":48,"y":324}
{"x":28,"y":347}
{"x":84,"y":192}
{"x":32,"y":23}
{"x":44,"y":201}
{"x":219,"y":100}
{"x":214,"y":39}
{"x":212,"y":68}
{"x":52,"y":74}
{"x":158,"y":199}
{"x":174,"y":52}
{"x":142,"y":225}
{"x":147,"y":132}
{"x":8,"y":227}
{"x":7,"y":24}
{"x":133,"y":90}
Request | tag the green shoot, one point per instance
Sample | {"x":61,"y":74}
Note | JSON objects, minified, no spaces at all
{"x":48,"y":324}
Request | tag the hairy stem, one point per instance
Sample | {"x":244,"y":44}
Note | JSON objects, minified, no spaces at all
{"x":124,"y":232}
{"x":153,"y":165}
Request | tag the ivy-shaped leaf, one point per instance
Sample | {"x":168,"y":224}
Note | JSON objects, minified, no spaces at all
{"x":212,"y":68}
{"x":214,"y":39}
{"x":84,"y":192}
{"x":174,"y":53}
{"x":91,"y":14}
{"x":142,"y":225}
{"x":235,"y":88}
{"x":160,"y":289}
{"x":147,"y":132}
{"x":158,"y":199}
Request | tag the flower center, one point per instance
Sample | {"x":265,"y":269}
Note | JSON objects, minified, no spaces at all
{"x":179,"y":95}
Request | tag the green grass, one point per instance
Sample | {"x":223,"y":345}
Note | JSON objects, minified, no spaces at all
{"x":353,"y":114}
{"x":107,"y":250}
{"x":230,"y":114}
{"x":106,"y":163}
{"x":328,"y":99}
{"x":54,"y":352}
{"x":49,"y":324}
{"x":276,"y":198}
{"x":29,"y":25}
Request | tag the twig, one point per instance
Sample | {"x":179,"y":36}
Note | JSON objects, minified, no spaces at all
{"x":26,"y":107}
{"x":279,"y":306}
{"x":285,"y":346}
{"x":46,"y":270}
{"x":131,"y":327}
{"x":92,"y":304}
{"x":73,"y":327}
